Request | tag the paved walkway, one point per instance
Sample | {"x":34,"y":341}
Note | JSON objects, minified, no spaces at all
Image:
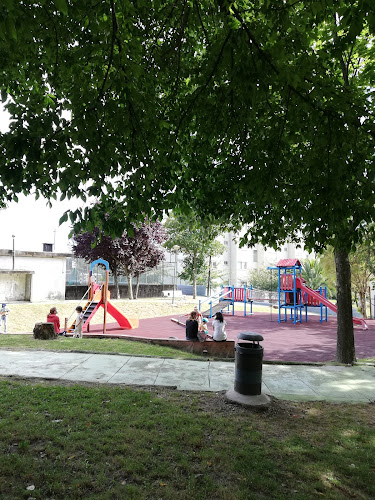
{"x":294,"y":382}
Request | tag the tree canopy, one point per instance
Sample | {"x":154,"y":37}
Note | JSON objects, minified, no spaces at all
{"x":126,"y":255}
{"x":196,"y":240}
{"x":127,"y":101}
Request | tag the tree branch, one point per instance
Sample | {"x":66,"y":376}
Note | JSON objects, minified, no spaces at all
{"x":114,"y":31}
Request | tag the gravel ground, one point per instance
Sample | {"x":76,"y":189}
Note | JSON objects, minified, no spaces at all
{"x":23,"y":316}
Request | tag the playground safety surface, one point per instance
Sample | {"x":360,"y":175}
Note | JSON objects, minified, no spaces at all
{"x":303,"y":342}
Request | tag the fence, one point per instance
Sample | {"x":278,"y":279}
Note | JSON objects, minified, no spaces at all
{"x":77,"y":273}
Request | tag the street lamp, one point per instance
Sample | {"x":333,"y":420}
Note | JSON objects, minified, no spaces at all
{"x":13,"y":253}
{"x":175,"y":249}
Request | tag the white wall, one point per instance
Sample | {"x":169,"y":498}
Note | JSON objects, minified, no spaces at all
{"x":48,"y":278}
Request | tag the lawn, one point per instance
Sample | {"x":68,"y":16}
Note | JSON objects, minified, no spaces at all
{"x":75,"y":441}
{"x":92,"y":345}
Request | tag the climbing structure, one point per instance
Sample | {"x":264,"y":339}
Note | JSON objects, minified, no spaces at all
{"x":295,"y":295}
{"x":99,"y":296}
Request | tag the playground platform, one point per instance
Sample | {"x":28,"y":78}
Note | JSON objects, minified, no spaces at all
{"x":312,"y":342}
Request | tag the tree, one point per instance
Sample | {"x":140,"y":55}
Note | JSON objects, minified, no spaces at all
{"x":312,"y":272}
{"x":273,"y":102}
{"x":263,"y":279}
{"x":128,"y":255}
{"x":362,"y":264}
{"x":196,"y":240}
{"x":95,"y":245}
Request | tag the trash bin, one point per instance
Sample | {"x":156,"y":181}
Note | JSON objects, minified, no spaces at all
{"x":248,"y":364}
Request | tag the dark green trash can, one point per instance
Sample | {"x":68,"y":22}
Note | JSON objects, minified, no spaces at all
{"x":248,"y":364}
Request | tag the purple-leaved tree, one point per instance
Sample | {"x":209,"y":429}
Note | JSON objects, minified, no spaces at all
{"x":126,"y":255}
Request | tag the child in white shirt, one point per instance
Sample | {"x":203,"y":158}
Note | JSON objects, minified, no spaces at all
{"x":78,"y":323}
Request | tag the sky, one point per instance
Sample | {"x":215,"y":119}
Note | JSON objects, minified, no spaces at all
{"x":31,"y":221}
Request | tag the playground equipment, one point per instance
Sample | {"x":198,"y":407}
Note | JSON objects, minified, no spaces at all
{"x":226,"y":298}
{"x":295,"y":295}
{"x":99,"y":296}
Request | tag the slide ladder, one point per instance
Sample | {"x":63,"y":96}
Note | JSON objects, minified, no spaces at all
{"x":319,"y":298}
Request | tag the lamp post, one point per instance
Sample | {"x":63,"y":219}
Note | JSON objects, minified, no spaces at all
{"x":175,"y":249}
{"x":13,"y":252}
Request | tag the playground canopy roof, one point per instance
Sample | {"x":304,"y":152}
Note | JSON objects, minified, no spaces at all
{"x":288,"y":263}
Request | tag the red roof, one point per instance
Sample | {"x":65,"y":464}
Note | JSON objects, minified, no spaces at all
{"x":288,"y":263}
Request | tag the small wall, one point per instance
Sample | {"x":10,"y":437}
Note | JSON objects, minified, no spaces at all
{"x":207,"y":348}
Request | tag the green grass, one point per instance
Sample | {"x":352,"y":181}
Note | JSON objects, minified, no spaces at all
{"x":93,"y":345}
{"x":118,"y":443}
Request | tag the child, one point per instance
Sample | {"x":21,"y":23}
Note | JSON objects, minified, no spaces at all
{"x":53,"y":318}
{"x":203,"y":332}
{"x":78,"y":323}
{"x":199,"y":317}
{"x":4,"y":311}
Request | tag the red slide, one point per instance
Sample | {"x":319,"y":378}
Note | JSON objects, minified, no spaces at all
{"x":325,"y":302}
{"x":120,"y":318}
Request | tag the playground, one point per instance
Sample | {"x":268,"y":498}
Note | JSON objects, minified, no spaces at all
{"x":290,"y":333}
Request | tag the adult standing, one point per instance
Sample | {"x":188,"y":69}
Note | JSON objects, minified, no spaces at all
{"x":218,"y":325}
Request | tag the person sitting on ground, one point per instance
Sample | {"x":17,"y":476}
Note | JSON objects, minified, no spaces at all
{"x":53,"y":318}
{"x":192,"y":327}
{"x":218,"y":326}
{"x":203,"y":331}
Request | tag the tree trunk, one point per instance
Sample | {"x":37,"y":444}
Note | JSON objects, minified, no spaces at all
{"x":209,"y":277}
{"x":130,"y":286}
{"x":362,"y":301}
{"x":117,"y":288}
{"x":345,"y":350}
{"x":194,"y":278}
{"x":137,"y":287}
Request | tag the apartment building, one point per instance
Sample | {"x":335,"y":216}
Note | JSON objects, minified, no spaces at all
{"x":235,"y":263}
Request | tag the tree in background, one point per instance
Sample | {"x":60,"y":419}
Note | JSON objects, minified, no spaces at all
{"x":313,"y":273}
{"x":197,"y":241}
{"x":263,"y":279}
{"x":362,"y":264}
{"x":126,"y":255}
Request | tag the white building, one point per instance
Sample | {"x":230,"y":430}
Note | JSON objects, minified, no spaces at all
{"x":33,"y":251}
{"x":235,"y":264}
{"x":32,"y":276}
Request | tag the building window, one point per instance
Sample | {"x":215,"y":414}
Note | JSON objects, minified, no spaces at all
{"x":47,"y":247}
{"x":225,"y":262}
{"x":226,"y":242}
{"x":255,"y":255}
{"x":242,"y":265}
{"x":214,"y":264}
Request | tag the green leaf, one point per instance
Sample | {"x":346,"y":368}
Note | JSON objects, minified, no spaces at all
{"x":62,"y":6}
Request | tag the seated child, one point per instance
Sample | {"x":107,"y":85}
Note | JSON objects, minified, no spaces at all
{"x":203,"y":331}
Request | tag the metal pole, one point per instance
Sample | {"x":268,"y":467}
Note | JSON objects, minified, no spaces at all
{"x":13,"y":253}
{"x":175,"y":249}
{"x":174,"y":279}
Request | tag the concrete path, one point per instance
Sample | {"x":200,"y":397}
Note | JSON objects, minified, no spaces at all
{"x":294,"y":382}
